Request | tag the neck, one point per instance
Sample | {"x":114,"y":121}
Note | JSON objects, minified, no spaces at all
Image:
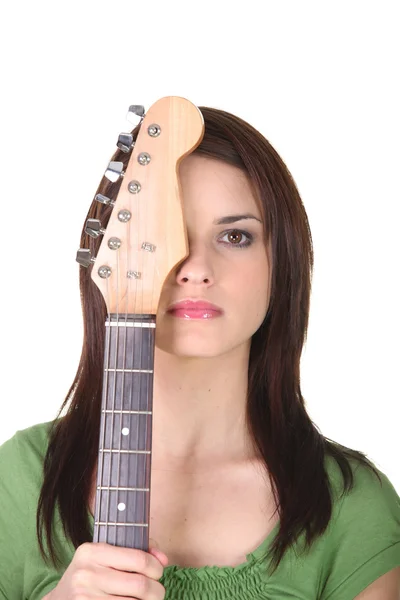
{"x":199,"y":409}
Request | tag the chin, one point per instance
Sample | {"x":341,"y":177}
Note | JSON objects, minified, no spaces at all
{"x":190,"y":348}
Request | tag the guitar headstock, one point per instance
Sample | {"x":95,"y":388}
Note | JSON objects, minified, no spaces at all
{"x":146,"y":236}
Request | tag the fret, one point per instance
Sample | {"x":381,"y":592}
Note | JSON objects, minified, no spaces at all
{"x":123,"y":489}
{"x":125,"y":451}
{"x":121,"y":524}
{"x":129,"y":370}
{"x":129,"y":412}
{"x":129,"y":324}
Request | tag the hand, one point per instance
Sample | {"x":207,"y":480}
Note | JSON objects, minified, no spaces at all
{"x":99,"y":569}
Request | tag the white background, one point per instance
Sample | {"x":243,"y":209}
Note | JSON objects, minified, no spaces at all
{"x":318,"y":79}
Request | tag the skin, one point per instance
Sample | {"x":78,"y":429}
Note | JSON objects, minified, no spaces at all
{"x":201,"y":366}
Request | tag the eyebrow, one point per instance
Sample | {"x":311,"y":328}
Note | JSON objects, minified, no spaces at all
{"x":234,"y":218}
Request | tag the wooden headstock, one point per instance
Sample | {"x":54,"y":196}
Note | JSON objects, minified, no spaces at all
{"x":146,"y":234}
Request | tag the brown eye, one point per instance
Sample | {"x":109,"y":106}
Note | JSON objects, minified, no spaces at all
{"x":235,"y":236}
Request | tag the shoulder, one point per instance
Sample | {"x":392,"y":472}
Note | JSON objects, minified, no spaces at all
{"x":372,"y":501}
{"x":26,"y":447}
{"x":21,"y":476}
{"x":368,"y":494}
{"x":21,"y":468}
{"x":364,"y":535}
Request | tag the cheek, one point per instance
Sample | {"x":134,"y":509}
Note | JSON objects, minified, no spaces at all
{"x":255,"y":289}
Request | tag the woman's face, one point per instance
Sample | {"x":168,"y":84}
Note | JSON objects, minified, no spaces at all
{"x":222,"y":267}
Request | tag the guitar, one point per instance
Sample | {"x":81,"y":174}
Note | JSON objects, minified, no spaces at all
{"x":144,"y":240}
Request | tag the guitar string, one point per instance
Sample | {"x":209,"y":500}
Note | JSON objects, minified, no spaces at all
{"x":151,"y":339}
{"x":142,"y":332}
{"x":150,"y":334}
{"x":146,"y":458}
{"x":150,"y":358}
{"x":113,"y":403}
{"x":121,"y":408}
{"x":130,"y":420}
{"x":137,"y":533}
{"x":117,"y":493}
{"x":103,"y":433}
{"x":122,"y":419}
{"x":110,"y":429}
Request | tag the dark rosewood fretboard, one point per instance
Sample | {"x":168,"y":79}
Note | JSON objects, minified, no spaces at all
{"x":122,"y":505}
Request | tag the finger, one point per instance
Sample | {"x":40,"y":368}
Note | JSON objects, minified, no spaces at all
{"x":122,"y":559}
{"x":163,"y":558}
{"x":134,"y":585}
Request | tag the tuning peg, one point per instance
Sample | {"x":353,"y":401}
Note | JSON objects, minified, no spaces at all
{"x":94,"y":228}
{"x":114,"y":170}
{"x":104,"y":199}
{"x":136,"y":109}
{"x":125,"y":142}
{"x":84,"y":258}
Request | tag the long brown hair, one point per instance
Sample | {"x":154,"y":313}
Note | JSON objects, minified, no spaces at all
{"x":287,"y":440}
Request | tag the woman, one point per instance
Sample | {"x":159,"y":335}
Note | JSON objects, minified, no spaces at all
{"x":248,"y":499}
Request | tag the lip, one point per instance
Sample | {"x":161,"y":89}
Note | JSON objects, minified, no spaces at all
{"x":194,"y":314}
{"x":195,"y":305}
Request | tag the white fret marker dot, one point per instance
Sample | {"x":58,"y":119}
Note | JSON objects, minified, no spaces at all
{"x":125,"y":431}
{"x":121,"y":506}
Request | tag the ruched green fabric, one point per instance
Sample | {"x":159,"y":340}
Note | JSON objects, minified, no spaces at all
{"x":361,"y":543}
{"x":244,"y":581}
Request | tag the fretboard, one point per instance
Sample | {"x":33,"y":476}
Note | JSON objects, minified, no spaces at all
{"x":122,"y":508}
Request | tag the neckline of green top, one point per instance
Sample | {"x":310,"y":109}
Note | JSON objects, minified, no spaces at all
{"x":252,"y":560}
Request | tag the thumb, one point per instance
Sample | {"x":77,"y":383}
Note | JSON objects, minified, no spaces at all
{"x":154,"y":550}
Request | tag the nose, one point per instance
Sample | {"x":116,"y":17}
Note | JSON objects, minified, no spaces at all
{"x":196,"y":269}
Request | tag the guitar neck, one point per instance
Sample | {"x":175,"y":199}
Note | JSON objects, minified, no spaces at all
{"x":122,"y":508}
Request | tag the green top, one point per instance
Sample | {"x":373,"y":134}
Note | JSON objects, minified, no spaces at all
{"x":362,"y":541}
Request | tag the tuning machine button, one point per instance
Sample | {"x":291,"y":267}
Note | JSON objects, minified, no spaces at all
{"x":84,"y":257}
{"x":114,"y":170}
{"x":104,"y":199}
{"x":125,"y":142}
{"x":136,"y":109}
{"x":94,"y":228}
